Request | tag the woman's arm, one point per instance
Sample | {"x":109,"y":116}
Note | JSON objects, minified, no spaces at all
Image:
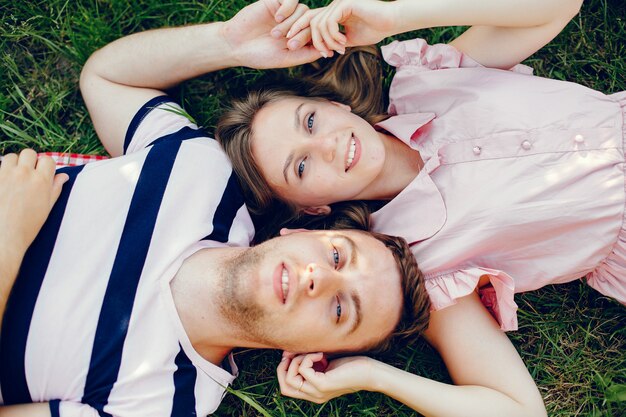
{"x":490,"y":377}
{"x":503,"y":32}
{"x":119,"y":78}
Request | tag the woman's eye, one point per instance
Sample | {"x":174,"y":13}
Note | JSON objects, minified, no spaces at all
{"x":301,"y":167}
{"x":338,"y":309}
{"x":336,"y":257}
{"x":309,"y":122}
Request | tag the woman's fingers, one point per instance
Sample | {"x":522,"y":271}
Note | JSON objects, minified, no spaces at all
{"x":327,"y":24}
{"x":317,"y":37}
{"x":301,"y":39}
{"x":290,"y":381}
{"x":307,"y":368}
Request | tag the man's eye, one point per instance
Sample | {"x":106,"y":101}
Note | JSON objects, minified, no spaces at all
{"x":338,"y":309}
{"x":336,"y":257}
{"x":309,"y":122}
{"x":301,"y":167}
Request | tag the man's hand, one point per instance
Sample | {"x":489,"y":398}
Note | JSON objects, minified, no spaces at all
{"x":256,"y":35}
{"x":28,"y":190}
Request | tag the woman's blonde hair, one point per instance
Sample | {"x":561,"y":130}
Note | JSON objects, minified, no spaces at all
{"x":354,"y":79}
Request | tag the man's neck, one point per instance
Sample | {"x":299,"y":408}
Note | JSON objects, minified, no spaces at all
{"x":195,"y":289}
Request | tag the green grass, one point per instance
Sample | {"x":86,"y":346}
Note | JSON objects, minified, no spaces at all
{"x":572,"y":340}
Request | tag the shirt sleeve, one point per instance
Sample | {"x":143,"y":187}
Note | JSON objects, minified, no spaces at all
{"x":71,"y":409}
{"x":159,"y":117}
{"x":419,"y":54}
{"x":497,"y":297}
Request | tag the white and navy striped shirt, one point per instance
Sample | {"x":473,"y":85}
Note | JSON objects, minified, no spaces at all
{"x":91,"y":325}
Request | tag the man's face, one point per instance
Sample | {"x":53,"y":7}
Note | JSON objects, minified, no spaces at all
{"x":324,"y":291}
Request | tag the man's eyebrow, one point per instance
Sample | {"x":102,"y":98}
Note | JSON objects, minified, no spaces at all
{"x":353,"y":250}
{"x":356,"y":302}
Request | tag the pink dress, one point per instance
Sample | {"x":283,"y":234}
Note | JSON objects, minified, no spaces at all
{"x":523,"y":179}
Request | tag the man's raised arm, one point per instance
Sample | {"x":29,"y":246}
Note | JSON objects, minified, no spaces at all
{"x":119,"y":78}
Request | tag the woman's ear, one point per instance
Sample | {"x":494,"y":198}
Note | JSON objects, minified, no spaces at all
{"x":343,"y":106}
{"x":317,"y":210}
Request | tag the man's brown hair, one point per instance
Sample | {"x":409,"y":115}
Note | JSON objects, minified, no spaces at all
{"x":416,"y":304}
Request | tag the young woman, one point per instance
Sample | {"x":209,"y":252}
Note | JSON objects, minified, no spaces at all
{"x":501,"y":181}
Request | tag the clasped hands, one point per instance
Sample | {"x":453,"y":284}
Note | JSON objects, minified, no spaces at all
{"x":285,"y":33}
{"x":313,"y":378}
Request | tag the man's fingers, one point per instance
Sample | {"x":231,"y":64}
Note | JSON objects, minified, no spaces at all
{"x":57,"y":186}
{"x":301,"y":23}
{"x":286,"y":25}
{"x":45,"y":165}
{"x":285,"y":10}
{"x":27,"y":158}
{"x":8,"y":161}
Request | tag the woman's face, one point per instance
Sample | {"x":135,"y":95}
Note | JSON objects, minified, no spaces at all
{"x":313,"y":152}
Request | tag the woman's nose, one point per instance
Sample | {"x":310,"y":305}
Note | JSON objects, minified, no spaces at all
{"x":326,"y":145}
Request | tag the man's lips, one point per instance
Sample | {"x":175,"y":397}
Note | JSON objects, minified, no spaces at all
{"x":281,"y":283}
{"x":353,"y":152}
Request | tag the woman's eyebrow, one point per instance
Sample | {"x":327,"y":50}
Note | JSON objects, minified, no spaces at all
{"x":296,"y":126}
{"x":296,"y":121}
{"x":286,"y":166}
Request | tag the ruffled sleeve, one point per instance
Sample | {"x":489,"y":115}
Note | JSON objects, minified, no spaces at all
{"x":418,"y":53}
{"x":445,"y":289}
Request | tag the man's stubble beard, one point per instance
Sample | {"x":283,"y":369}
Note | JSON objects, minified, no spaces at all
{"x":236,"y":300}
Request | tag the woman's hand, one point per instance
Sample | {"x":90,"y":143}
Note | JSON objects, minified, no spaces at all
{"x":365,"y":22}
{"x":256,"y":35}
{"x":310,"y":377}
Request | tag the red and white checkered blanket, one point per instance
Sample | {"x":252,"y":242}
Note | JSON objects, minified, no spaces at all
{"x":71,"y":159}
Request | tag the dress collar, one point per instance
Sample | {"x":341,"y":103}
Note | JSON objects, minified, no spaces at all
{"x":418,"y":212}
{"x":405,"y":126}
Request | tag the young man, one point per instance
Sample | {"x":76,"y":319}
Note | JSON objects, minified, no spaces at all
{"x":140,"y":282}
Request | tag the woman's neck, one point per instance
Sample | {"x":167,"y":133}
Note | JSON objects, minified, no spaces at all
{"x":401,"y":166}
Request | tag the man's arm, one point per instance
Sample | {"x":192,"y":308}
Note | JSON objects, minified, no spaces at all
{"x":26,"y":410}
{"x":28,"y":190}
{"x":119,"y":78}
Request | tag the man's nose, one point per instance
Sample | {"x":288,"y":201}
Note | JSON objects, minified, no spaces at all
{"x":326,"y":145}
{"x":320,"y":280}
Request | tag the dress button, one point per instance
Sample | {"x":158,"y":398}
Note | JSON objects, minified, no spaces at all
{"x":579,"y":138}
{"x":526,"y":145}
{"x":476,"y":150}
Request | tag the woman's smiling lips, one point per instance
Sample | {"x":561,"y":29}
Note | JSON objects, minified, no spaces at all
{"x":353,"y":152}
